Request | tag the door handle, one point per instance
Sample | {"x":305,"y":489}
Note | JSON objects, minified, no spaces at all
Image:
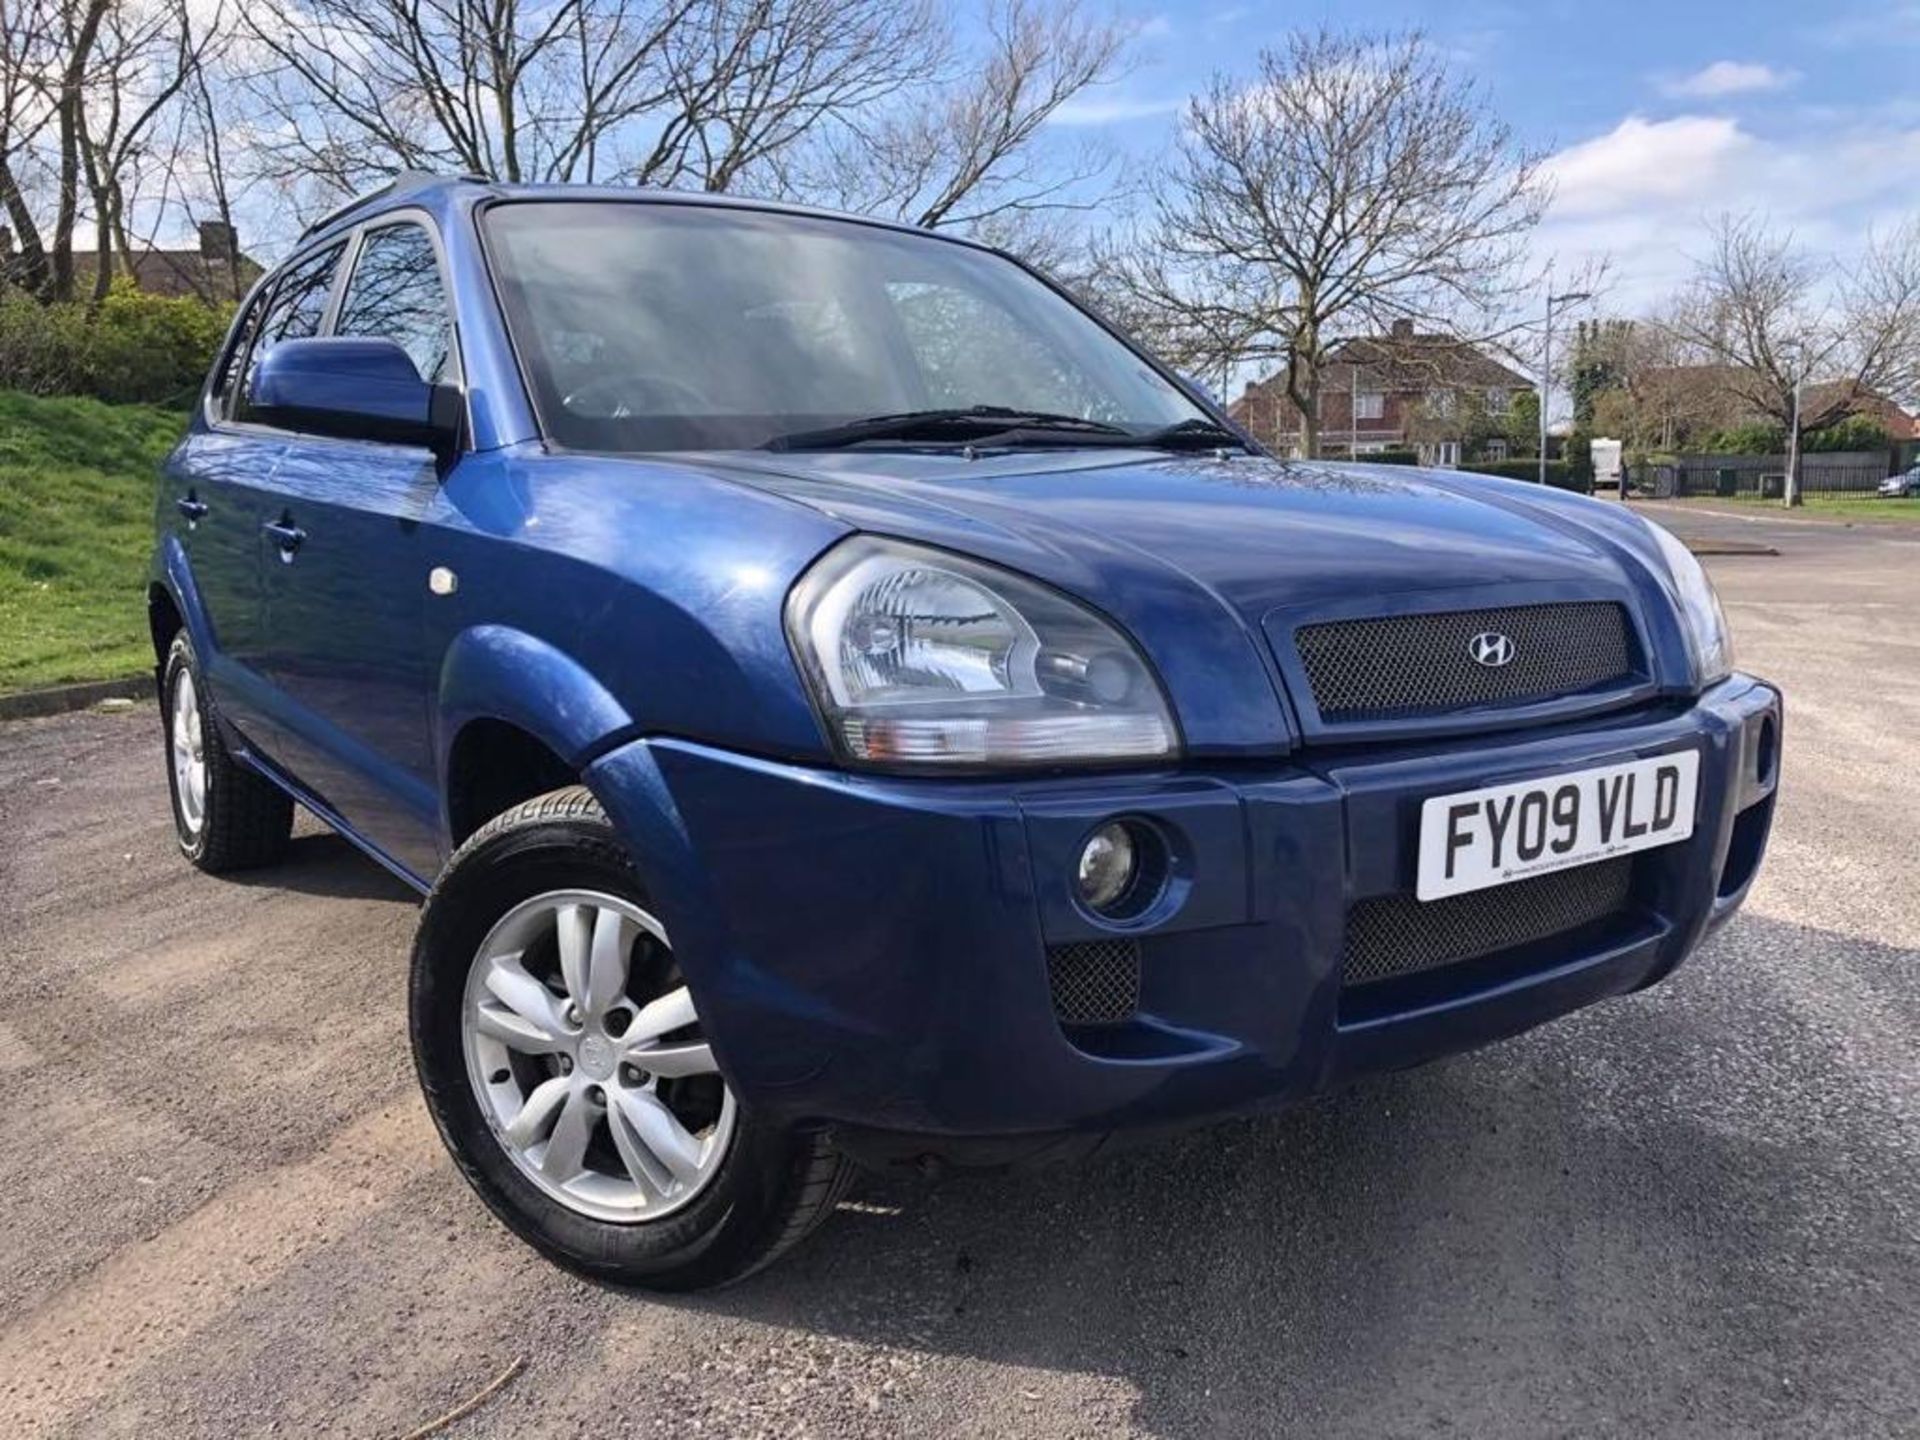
{"x":288,"y":535}
{"x":195,"y":510}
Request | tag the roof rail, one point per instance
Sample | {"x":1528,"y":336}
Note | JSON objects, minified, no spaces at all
{"x":402,"y":182}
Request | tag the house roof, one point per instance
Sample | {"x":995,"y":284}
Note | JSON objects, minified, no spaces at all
{"x":1817,"y":396}
{"x":181,"y":273}
{"x":1420,"y":362}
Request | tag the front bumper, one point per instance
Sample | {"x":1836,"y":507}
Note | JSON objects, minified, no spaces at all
{"x":871,"y":952}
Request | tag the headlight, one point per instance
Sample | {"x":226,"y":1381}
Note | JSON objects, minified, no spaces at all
{"x":920,"y":658}
{"x":1706,"y":621}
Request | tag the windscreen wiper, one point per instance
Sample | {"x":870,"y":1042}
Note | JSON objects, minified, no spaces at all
{"x":976,"y":422}
{"x":1196,"y":434}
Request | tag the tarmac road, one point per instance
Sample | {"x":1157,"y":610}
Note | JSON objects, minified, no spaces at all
{"x":1690,"y":1212}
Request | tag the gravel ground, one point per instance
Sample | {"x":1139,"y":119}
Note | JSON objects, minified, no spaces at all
{"x":1694,"y":1211}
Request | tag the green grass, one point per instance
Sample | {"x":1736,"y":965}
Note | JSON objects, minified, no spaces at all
{"x":76,"y":524}
{"x":1832,"y":507}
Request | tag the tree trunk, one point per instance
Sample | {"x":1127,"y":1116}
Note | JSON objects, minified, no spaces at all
{"x":102,"y":225}
{"x":72,"y":98}
{"x":31,"y":273}
{"x":1303,"y":389}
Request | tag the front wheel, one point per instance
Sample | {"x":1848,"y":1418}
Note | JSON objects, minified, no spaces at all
{"x":563,"y":1060}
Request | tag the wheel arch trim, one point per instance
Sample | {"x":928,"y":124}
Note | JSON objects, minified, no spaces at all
{"x":497,"y":672}
{"x":172,"y":573}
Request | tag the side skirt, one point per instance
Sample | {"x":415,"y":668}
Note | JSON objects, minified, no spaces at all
{"x":240,"y":751}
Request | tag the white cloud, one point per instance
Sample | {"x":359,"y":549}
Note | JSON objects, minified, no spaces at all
{"x":1727,"y":77}
{"x":1642,"y":160}
{"x":1095,"y":110}
{"x":1643,"y":192}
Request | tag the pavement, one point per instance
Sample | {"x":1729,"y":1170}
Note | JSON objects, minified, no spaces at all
{"x":1694,"y":1211}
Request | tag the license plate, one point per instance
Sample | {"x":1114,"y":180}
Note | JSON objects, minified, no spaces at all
{"x":1479,"y":838}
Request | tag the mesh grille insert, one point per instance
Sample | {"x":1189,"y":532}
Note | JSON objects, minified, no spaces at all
{"x":1094,"y":982}
{"x":1400,"y":664}
{"x":1396,"y":935}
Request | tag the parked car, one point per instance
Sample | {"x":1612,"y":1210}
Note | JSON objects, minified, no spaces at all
{"x":1906,"y":484}
{"x":844,"y":702}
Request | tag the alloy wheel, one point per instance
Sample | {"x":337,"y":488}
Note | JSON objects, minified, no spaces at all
{"x":585,"y":1052}
{"x":187,"y":744}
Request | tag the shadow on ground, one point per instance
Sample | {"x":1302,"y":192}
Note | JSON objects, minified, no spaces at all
{"x":1634,"y":1212}
{"x":321,"y":863}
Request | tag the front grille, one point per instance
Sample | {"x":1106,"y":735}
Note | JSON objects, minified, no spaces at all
{"x":1406,"y":664}
{"x":1094,"y":982}
{"x":1397,"y":935}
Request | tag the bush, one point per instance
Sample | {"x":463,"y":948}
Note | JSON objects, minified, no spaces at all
{"x":132,"y":348}
{"x":1560,"y":474}
{"x":1390,"y":457}
{"x":1857,"y":432}
{"x":1754,"y":438}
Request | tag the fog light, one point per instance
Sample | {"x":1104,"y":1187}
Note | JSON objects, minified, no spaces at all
{"x":1109,"y":861}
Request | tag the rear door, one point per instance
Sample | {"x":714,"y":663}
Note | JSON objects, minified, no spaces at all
{"x":221,"y":484}
{"x":344,"y":611}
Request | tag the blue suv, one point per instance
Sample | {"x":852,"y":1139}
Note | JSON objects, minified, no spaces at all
{"x":844,"y":702}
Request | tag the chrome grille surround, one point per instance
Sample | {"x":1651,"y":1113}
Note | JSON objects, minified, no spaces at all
{"x":1379,"y":667}
{"x":1394,"y":935}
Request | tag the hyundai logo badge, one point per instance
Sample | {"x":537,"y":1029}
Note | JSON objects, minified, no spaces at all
{"x":1491,"y":649}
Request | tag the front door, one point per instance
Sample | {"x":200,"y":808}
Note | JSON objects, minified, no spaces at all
{"x":345,"y":579}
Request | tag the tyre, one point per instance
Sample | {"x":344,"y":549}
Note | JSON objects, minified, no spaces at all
{"x":562,"y":1058}
{"x":226,"y":816}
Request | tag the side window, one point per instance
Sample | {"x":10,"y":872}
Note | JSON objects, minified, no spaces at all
{"x":395,"y":293}
{"x":234,"y":362}
{"x":298,"y":305}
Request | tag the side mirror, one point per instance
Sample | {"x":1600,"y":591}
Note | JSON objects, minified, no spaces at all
{"x":355,"y":388}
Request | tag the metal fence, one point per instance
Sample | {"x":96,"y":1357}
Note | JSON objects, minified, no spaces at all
{"x":1731,"y":477}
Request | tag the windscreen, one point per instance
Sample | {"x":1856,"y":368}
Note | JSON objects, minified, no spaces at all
{"x":661,"y":326}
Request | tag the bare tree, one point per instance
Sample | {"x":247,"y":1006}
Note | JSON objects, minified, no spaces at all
{"x":1356,"y":181}
{"x":666,"y":92}
{"x":84,"y":86}
{"x":146,"y":56}
{"x":964,"y":148}
{"x":1661,"y":391}
{"x":27,"y":43}
{"x":1801,"y":342}
{"x":207,"y":187}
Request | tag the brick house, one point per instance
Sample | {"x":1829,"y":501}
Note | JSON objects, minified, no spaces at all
{"x":216,"y":270}
{"x":1402,"y":390}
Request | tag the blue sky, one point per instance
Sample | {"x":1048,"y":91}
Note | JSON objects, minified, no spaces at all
{"x":1657,"y":115}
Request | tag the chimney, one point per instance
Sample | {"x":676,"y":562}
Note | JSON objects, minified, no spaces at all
{"x":218,"y":240}
{"x":1403,"y":329}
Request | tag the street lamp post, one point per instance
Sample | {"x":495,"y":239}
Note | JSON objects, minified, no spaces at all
{"x":1790,"y":492}
{"x":1546,"y":365}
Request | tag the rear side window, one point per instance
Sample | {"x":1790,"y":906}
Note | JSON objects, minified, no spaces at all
{"x":395,"y":294}
{"x":298,"y":305}
{"x":234,"y":362}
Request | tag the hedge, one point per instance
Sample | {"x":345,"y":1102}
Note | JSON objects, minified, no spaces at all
{"x":1560,"y":475}
{"x":132,"y":348}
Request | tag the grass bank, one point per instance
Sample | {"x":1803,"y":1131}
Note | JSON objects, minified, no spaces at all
{"x":1814,"y":507}
{"x":76,"y":522}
